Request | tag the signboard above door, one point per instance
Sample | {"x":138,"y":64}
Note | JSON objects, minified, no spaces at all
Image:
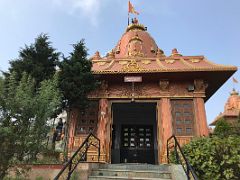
{"x":133,"y":79}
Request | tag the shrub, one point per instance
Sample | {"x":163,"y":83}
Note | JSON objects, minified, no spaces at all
{"x":215,"y":158}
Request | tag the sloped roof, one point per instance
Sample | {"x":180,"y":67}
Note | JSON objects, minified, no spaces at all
{"x":137,"y":53}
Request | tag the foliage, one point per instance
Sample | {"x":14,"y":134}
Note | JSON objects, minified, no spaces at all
{"x":38,"y":60}
{"x":222,"y":129}
{"x":215,"y":158}
{"x":23,"y":118}
{"x":76,"y":78}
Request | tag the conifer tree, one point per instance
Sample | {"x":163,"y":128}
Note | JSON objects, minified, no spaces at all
{"x":38,"y":60}
{"x":76,"y":78}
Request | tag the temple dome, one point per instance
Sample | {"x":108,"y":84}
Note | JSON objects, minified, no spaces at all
{"x":136,"y":42}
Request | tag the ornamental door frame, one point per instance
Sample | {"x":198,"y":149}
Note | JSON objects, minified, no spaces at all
{"x":158,"y":121}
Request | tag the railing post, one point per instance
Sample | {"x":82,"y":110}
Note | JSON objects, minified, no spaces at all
{"x":82,"y":151}
{"x":176,"y":152}
{"x":168,"y":152}
{"x":69,"y":171}
{"x":99,"y":150}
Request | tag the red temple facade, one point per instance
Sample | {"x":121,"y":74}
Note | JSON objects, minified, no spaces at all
{"x":144,"y":98}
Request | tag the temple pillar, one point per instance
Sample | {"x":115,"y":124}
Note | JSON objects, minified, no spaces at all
{"x":103,"y":130}
{"x":73,"y":115}
{"x":165,"y":129}
{"x":200,"y":117}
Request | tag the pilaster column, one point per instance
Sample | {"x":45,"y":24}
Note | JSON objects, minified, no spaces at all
{"x":102,"y":129}
{"x":73,"y":114}
{"x":165,"y":129}
{"x":200,"y":117}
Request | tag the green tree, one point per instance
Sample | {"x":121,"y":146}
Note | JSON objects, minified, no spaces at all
{"x":222,"y":129}
{"x":76,"y":78}
{"x":38,"y":60}
{"x":24,"y":113}
{"x":76,"y":81}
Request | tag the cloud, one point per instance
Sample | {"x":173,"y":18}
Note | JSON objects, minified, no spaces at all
{"x":87,"y":8}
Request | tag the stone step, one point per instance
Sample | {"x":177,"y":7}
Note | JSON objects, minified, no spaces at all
{"x":121,"y":178}
{"x":136,"y":166}
{"x":131,"y":173}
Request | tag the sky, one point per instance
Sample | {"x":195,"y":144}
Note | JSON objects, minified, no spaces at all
{"x":195,"y":27}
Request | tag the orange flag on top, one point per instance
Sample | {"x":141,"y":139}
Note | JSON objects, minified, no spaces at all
{"x":131,"y":9}
{"x":235,"y":80}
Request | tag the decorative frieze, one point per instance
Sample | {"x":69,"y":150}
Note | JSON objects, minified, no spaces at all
{"x":164,"y":85}
{"x":200,"y":85}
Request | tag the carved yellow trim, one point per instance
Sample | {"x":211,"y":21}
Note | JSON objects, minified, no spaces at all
{"x":123,"y":62}
{"x":147,"y":97}
{"x":219,"y":65}
{"x":110,"y":64}
{"x":145,"y":61}
{"x":135,"y":54}
{"x":169,"y":61}
{"x":164,"y":69}
{"x":101,"y":63}
{"x":186,"y":63}
{"x":195,"y":60}
{"x":160,"y":63}
{"x":132,"y":66}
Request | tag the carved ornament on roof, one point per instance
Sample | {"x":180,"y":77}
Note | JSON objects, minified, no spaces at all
{"x":160,"y":53}
{"x":153,"y":50}
{"x":195,"y":60}
{"x":96,"y":56}
{"x":169,"y":61}
{"x":175,"y":52}
{"x":132,"y":66}
{"x":111,"y":55}
{"x":146,"y":61}
{"x":118,"y":49}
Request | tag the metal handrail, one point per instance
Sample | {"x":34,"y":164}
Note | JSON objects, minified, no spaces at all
{"x":79,"y":156}
{"x":172,"y":142}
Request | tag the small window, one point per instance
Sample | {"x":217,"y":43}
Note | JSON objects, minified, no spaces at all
{"x":188,"y":121}
{"x":178,"y":121}
{"x":187,"y":114}
{"x":178,"y":105}
{"x":186,"y":105}
{"x":178,"y":113}
{"x":179,"y":130}
{"x":188,"y":130}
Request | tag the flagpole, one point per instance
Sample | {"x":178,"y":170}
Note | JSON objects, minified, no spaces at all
{"x":128,"y":12}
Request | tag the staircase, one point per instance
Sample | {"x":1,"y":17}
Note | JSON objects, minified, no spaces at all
{"x":131,"y":171}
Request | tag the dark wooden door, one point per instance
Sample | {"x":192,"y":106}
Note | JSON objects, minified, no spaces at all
{"x":137,"y":144}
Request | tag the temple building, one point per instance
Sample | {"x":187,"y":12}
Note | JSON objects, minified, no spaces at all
{"x":145,"y":97}
{"x":231,"y":112}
